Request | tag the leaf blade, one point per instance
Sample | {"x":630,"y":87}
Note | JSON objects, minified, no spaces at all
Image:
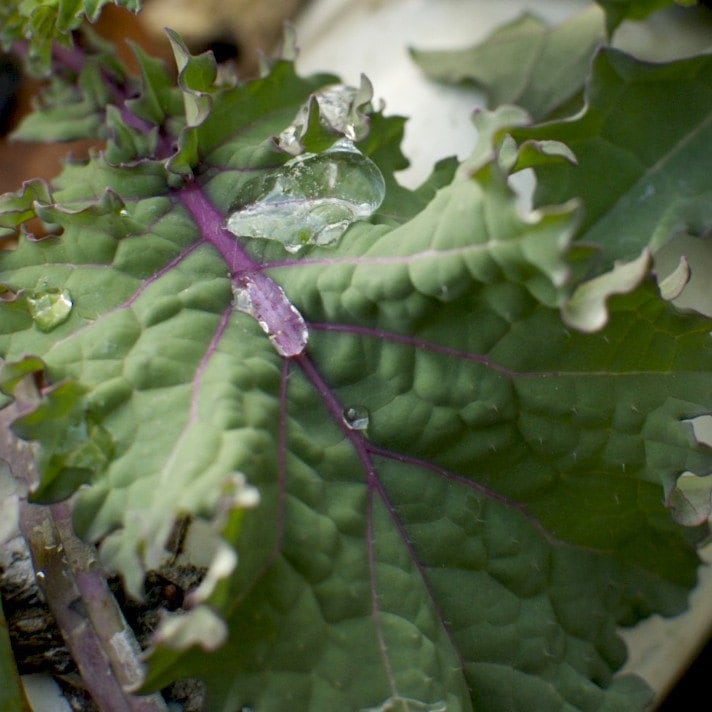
{"x":520,"y":62}
{"x":656,"y":188}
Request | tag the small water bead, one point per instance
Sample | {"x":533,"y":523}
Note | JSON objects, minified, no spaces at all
{"x":336,"y":105}
{"x":356,"y":417}
{"x":49,"y":308}
{"x":311,"y":200}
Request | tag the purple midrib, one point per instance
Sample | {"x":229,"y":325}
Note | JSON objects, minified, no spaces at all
{"x":276,"y":315}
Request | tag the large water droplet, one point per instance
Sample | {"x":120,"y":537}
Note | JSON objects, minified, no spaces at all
{"x":264,"y":300}
{"x":356,"y":417}
{"x":49,"y":308}
{"x":311,"y":200}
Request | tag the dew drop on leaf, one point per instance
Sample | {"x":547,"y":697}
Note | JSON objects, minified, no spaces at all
{"x":310,"y":200}
{"x":356,"y":417}
{"x":49,"y":308}
{"x":339,"y":106}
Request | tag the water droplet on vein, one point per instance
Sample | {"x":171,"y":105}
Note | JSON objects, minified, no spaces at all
{"x":265,"y":301}
{"x":356,"y":417}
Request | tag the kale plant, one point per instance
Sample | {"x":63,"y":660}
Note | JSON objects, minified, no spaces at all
{"x":429,"y":448}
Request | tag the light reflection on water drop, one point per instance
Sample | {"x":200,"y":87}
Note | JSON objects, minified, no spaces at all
{"x":265,"y":301}
{"x":49,"y":308}
{"x":356,"y":417}
{"x":341,"y":109}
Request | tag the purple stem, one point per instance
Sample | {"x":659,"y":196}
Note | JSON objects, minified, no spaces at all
{"x":113,"y":635}
{"x":258,"y":295}
{"x":69,"y":57}
{"x":364,"y":451}
{"x":209,"y":221}
{"x":88,"y":616}
{"x":75,"y":591}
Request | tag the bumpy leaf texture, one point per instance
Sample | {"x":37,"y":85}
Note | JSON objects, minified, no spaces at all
{"x":460,"y":497}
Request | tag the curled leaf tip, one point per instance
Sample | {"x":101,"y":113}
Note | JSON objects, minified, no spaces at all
{"x":690,"y":501}
{"x":672,"y":286}
{"x":201,"y":627}
{"x":586,"y":310}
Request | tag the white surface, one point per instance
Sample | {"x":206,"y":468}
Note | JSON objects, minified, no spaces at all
{"x":44,"y":694}
{"x":349,"y":37}
{"x":660,"y":647}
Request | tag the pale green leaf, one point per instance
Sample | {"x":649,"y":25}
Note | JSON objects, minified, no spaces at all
{"x":619,"y":10}
{"x":691,"y":499}
{"x":586,"y":309}
{"x":16,"y":208}
{"x":196,"y":78}
{"x":674,"y":284}
{"x":521,"y":63}
{"x":694,"y":252}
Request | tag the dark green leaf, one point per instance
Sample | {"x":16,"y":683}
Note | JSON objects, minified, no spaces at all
{"x":642,"y":146}
{"x":12,"y":696}
{"x":40,"y":22}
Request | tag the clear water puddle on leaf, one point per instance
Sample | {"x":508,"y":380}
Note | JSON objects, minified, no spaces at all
{"x":49,"y":308}
{"x":310,"y":200}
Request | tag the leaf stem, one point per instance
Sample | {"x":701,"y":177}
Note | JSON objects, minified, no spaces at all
{"x":373,"y":485}
{"x":264,"y":299}
{"x":99,"y":640}
{"x":210,"y":223}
